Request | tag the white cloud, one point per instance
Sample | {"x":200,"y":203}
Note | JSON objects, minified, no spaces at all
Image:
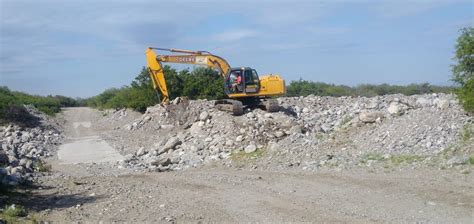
{"x":234,"y":35}
{"x":401,"y":8}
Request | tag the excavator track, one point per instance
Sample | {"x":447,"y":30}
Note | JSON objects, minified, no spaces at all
{"x":234,"y":106}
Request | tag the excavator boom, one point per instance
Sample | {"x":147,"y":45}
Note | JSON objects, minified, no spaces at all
{"x":189,"y":57}
{"x":156,"y":74}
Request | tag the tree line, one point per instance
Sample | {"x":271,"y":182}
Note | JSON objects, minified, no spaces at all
{"x":304,"y":88}
{"x":11,"y":104}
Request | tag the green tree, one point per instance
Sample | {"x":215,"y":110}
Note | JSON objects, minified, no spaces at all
{"x":463,"y":70}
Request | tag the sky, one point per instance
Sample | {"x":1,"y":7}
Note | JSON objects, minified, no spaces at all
{"x":80,"y":48}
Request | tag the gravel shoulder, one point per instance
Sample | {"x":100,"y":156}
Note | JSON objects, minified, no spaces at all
{"x":106,"y":191}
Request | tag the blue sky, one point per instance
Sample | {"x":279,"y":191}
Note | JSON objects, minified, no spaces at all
{"x":80,"y":48}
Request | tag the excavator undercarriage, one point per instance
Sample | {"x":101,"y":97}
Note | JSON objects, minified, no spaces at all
{"x":236,"y":107}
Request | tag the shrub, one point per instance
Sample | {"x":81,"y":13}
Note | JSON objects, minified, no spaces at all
{"x":466,"y":96}
{"x":11,"y":105}
{"x":14,"y":211}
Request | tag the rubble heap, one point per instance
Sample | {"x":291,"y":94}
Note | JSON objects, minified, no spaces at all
{"x":307,"y":130}
{"x":22,"y":147}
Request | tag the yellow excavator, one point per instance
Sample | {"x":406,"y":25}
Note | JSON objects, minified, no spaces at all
{"x":242,"y":85}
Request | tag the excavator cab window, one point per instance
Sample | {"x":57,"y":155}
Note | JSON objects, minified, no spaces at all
{"x":251,"y":80}
{"x":235,"y":81}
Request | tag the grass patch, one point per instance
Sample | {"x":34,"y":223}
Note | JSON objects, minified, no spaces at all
{"x":467,"y":133}
{"x":392,"y":159}
{"x":408,"y":159}
{"x":41,"y":166}
{"x":471,"y":160}
{"x":18,"y":214}
{"x":319,"y":136}
{"x":13,"y":214}
{"x":371,"y":156}
{"x":14,"y":211}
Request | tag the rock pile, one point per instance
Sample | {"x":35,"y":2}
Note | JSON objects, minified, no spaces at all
{"x":23,"y":146}
{"x":191,"y":133}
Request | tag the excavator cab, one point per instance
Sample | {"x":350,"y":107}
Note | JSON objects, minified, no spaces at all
{"x":243,"y":80}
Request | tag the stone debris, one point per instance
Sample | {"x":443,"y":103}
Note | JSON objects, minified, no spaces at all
{"x":250,"y":148}
{"x":303,"y":133}
{"x":22,"y":147}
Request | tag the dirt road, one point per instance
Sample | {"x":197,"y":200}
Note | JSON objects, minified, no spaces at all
{"x":84,"y":144}
{"x":92,"y":193}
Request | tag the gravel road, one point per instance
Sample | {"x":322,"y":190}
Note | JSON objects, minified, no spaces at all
{"x":84,"y":145}
{"x":100,"y":191}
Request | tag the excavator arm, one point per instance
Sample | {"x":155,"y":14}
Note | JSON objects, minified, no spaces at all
{"x":187,"y":57}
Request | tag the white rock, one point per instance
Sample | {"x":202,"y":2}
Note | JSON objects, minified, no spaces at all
{"x":239,"y":138}
{"x":279,"y":134}
{"x":171,"y":143}
{"x":443,"y":104}
{"x":396,"y":108}
{"x":370,"y":116}
{"x":203,"y":116}
{"x":201,"y":124}
{"x":141,"y":151}
{"x":250,"y":148}
{"x":250,"y":115}
{"x":167,"y":126}
{"x":296,"y":129}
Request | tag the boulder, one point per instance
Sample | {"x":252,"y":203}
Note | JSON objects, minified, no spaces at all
{"x":396,"y":108}
{"x":229,"y":143}
{"x":203,"y":116}
{"x":239,"y":138}
{"x":141,"y":151}
{"x":296,"y":129}
{"x":161,"y":162}
{"x":170,"y":144}
{"x":250,"y":148}
{"x":250,"y":115}
{"x":370,"y":116}
{"x":443,"y":104}
{"x":279,"y":134}
{"x":457,"y":160}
